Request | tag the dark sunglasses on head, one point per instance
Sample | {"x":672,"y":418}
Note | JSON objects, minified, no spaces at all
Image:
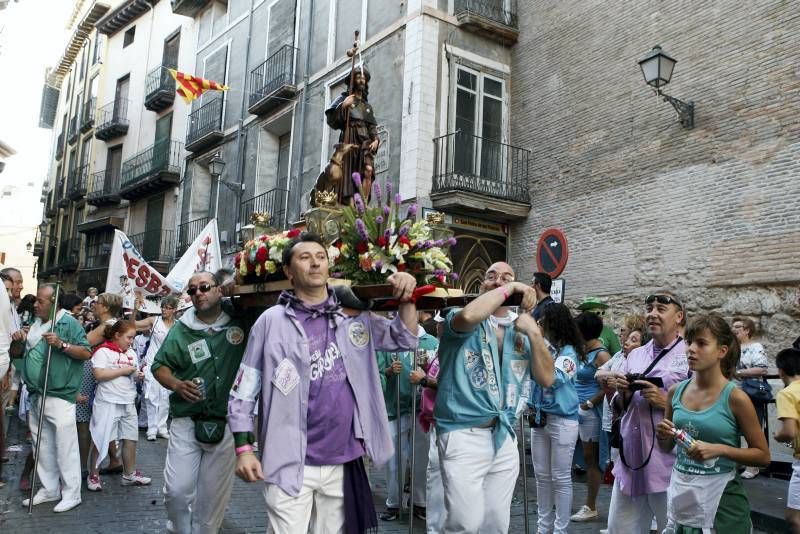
{"x":663,"y":299}
{"x":203,"y":288}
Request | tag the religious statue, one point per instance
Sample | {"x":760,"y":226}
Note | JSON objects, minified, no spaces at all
{"x":351,"y":114}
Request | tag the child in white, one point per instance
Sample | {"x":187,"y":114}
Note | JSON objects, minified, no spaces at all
{"x":116,"y":367}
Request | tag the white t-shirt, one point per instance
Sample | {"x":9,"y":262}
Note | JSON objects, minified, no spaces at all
{"x":614,"y":365}
{"x":120,"y":390}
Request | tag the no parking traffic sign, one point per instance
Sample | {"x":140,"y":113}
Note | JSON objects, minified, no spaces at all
{"x":552,"y":252}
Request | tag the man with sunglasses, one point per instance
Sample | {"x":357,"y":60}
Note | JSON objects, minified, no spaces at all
{"x":487,"y":355}
{"x":315,"y":370}
{"x":197,"y":361}
{"x":642,"y":475}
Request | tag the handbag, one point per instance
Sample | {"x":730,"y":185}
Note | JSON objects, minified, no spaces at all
{"x":209,"y":429}
{"x":758,"y":389}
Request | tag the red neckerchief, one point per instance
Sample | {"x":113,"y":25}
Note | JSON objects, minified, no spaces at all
{"x":108,"y":345}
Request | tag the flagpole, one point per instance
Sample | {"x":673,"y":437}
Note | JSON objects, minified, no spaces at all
{"x":40,"y":425}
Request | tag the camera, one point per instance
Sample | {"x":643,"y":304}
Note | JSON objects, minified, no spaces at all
{"x":631,"y":377}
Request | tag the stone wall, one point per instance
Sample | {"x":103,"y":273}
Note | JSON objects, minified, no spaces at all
{"x":710,"y":212}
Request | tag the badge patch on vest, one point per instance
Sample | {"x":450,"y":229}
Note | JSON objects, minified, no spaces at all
{"x":519,"y":367}
{"x":566,"y":364}
{"x":470,"y":359}
{"x":198,"y":351}
{"x":519,"y":343}
{"x":234,"y":335}
{"x":247,"y":384}
{"x":285,"y":377}
{"x":478,"y":377}
{"x":358,"y":334}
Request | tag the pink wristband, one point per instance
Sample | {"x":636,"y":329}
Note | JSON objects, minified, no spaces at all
{"x":243,"y":449}
{"x":505,"y":292}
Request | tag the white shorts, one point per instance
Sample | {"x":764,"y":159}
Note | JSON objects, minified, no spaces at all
{"x":588,"y":425}
{"x":793,"y":498}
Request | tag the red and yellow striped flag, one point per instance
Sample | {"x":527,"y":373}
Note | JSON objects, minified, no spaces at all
{"x":191,"y":87}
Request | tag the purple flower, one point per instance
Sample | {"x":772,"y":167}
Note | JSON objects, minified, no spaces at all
{"x":403,"y":230}
{"x":427,"y":244}
{"x":388,"y":191}
{"x":357,"y":180}
{"x":377,"y":190}
{"x":386,"y":211}
{"x":438,"y":272}
{"x":379,"y":220}
{"x":388,"y":235}
{"x":412,"y":212}
{"x":362,"y":230}
{"x":378,"y":264}
{"x":438,"y":243}
{"x":454,"y":276}
{"x":359,"y":202}
{"x":398,"y":199}
{"x":336,"y":275}
{"x":452,"y":241}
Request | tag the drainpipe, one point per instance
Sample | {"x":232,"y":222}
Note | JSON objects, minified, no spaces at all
{"x":303,"y":105}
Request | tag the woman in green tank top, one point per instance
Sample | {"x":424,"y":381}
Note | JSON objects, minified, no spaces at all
{"x":707,"y":415}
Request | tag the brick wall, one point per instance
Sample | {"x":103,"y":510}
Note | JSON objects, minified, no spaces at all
{"x":711,"y":212}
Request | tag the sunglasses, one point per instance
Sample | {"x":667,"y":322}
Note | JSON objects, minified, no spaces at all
{"x":663,"y":299}
{"x":203,"y":288}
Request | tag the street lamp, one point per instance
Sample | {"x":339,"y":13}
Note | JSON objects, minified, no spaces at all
{"x":28,"y":247}
{"x":657,"y":69}
{"x":215,"y":167}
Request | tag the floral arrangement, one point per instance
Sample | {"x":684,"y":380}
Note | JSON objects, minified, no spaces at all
{"x":379,"y":240}
{"x":260,"y":260}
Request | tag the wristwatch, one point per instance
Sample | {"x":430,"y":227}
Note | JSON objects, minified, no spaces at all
{"x":65,"y":346}
{"x":424,"y":382}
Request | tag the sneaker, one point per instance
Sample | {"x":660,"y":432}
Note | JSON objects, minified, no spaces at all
{"x":93,"y":483}
{"x":750,"y":472}
{"x":420,"y":512}
{"x":603,"y":531}
{"x":584,"y":514}
{"x":66,"y":506}
{"x":135,"y":479}
{"x":41,"y":497}
{"x":151,"y":437}
{"x":390,"y":514}
{"x":163,"y":434}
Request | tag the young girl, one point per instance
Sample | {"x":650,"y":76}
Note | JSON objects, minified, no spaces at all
{"x":115,"y":367}
{"x":705,"y":494}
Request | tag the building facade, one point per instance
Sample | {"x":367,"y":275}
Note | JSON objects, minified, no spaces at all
{"x":644,"y":203}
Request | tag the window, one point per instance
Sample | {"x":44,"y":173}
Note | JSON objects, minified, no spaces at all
{"x":98,"y":49}
{"x":128,"y":37}
{"x":98,"y":248}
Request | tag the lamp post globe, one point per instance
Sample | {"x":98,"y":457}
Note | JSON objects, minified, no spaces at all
{"x":657,"y":67}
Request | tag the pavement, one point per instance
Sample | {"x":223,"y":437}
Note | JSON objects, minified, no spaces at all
{"x":119,"y":510}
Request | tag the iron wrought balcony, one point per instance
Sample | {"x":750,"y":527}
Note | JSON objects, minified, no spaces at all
{"x":73,"y":130}
{"x":155,"y":245}
{"x":60,"y":146}
{"x":476,"y":174}
{"x":205,"y":126}
{"x":62,"y":198}
{"x":159,"y":89}
{"x":99,"y":259}
{"x":112,"y":120}
{"x":69,"y":254}
{"x":38,"y":244}
{"x":272,"y":83}
{"x":154,"y":169}
{"x":273,"y":202}
{"x":103,"y":189}
{"x":188,"y":232}
{"x":495,"y":19}
{"x":87,"y":118}
{"x":76,"y":185}
{"x":188,"y":8}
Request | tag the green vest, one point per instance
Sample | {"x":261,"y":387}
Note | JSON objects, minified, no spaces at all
{"x":427,"y":344}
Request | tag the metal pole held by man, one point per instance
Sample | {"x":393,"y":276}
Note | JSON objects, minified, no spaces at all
{"x":524,"y":472}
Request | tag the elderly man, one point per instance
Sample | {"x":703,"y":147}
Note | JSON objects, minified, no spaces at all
{"x":641,"y":478}
{"x":315,"y":370}
{"x":59,"y":462}
{"x":487,"y":355}
{"x":197,"y":362}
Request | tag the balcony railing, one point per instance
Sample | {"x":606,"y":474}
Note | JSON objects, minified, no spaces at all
{"x":87,"y":118}
{"x":465,"y":163}
{"x":60,"y":146}
{"x":69,"y":254}
{"x":76,"y":185}
{"x":152,"y":170}
{"x":205,"y":126}
{"x":62,"y":193}
{"x":112,"y":120}
{"x":99,"y":258}
{"x":38,"y":244}
{"x":273,"y":82}
{"x":159,"y":89}
{"x":496,"y":19}
{"x":73,"y":130}
{"x":103,"y":189}
{"x":188,"y":232}
{"x":155,"y":245}
{"x":272,"y":202}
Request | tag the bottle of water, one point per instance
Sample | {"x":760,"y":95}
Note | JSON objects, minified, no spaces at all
{"x":686,"y":441}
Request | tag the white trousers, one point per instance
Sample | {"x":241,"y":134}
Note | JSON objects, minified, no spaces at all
{"x":420,"y":461}
{"x":198,"y":479}
{"x":633,"y":515}
{"x":551,"y":448}
{"x":157,"y":401}
{"x":478,"y":483}
{"x":318,"y":509}
{"x":59,"y":461}
{"x":434,"y":491}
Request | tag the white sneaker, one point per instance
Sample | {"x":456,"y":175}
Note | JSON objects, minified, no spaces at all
{"x":66,"y":506}
{"x":135,"y":479}
{"x":93,"y":483}
{"x":163,"y":434}
{"x":41,"y":497}
{"x":151,"y":437}
{"x":750,"y":472}
{"x":584,"y":514}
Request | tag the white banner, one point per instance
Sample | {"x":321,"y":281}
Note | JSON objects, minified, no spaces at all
{"x":202,"y":255}
{"x":133,"y":279}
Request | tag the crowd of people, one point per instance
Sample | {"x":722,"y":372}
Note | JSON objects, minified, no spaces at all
{"x":668,"y":408}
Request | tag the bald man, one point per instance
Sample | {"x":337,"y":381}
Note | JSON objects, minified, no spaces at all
{"x":487,"y":356}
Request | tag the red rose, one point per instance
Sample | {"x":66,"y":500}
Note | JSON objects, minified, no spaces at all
{"x":237,"y":258}
{"x":339,"y":245}
{"x":362,"y":247}
{"x":382,"y":241}
{"x":262,"y":254}
{"x":263,"y":238}
{"x":404,"y":240}
{"x":401,"y":267}
{"x":294,"y":232}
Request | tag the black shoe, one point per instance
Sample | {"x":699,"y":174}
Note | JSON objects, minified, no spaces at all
{"x":420,"y":512}
{"x":391,"y":514}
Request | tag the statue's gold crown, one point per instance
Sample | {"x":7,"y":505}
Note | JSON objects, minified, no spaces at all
{"x":260,"y":218}
{"x":325,"y":198}
{"x":434,"y":217}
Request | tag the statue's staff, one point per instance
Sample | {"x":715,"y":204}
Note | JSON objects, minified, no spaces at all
{"x":524,"y":471}
{"x":353,"y":52}
{"x":53,"y":314}
{"x":398,"y":443}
